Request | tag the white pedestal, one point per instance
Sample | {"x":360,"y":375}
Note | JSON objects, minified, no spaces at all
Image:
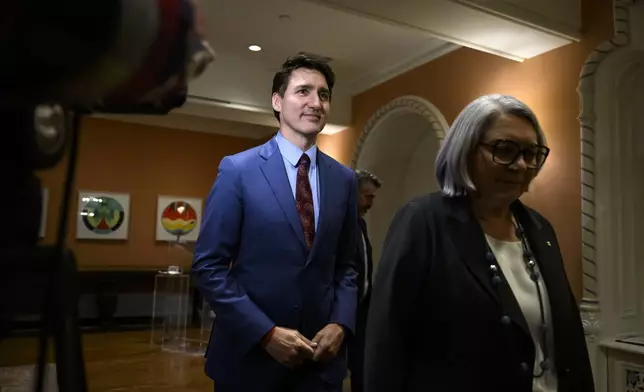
{"x":170,"y":306}
{"x":197,"y":341}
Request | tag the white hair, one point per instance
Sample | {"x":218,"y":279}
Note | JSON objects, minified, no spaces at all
{"x":467,"y":131}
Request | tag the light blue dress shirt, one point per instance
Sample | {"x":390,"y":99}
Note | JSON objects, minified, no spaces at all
{"x":291,"y":155}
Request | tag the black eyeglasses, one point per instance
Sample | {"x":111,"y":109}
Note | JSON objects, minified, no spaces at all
{"x":506,"y":152}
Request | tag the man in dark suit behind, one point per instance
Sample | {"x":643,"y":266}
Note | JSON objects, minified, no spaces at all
{"x":285,"y":215}
{"x":368,"y":185}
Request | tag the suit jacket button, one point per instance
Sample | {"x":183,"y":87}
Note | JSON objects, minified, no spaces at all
{"x":296,"y":308}
{"x":505,"y":320}
{"x":524,"y":367}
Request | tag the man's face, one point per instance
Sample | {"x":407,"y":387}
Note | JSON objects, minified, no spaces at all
{"x":366,"y":196}
{"x":305,"y":104}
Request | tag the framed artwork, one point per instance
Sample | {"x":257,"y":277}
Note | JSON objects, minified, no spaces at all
{"x":178,"y":218}
{"x":103,"y":215}
{"x":43,"y":212}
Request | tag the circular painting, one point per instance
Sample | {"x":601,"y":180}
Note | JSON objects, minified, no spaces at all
{"x":179,"y":218}
{"x":103,"y":214}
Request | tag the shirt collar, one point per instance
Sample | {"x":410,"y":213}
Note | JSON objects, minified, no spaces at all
{"x":292,"y":153}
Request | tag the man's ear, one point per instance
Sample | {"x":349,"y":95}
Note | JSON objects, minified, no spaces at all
{"x":277,"y":102}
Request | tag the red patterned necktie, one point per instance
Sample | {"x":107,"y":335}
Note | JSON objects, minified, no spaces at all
{"x":304,"y":199}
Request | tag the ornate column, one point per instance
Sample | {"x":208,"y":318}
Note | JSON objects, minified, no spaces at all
{"x":590,"y":307}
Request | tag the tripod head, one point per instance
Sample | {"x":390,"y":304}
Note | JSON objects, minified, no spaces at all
{"x":102,"y":56}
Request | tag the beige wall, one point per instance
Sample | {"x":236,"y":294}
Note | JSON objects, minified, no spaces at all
{"x":143,"y":161}
{"x":546,"y":83}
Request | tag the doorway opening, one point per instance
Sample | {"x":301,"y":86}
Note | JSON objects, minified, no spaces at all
{"x":399,"y":145}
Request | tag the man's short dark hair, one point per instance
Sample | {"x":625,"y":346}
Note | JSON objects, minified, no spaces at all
{"x":365,"y":176}
{"x":301,"y":60}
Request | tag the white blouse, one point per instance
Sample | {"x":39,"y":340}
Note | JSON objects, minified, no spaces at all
{"x":509,"y":255}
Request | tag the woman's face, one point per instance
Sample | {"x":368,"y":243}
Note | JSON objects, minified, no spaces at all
{"x":493,"y":175}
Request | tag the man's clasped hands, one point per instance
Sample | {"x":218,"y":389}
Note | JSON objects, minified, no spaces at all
{"x":290,"y":348}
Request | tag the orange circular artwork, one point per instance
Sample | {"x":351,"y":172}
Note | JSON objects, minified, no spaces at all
{"x":179,"y":218}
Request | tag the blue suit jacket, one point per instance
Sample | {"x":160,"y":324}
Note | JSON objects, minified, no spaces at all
{"x":251,"y":220}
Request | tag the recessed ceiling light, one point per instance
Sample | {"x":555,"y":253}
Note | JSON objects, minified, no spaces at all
{"x":254,"y":48}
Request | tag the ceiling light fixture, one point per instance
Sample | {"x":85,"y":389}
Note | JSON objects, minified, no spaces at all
{"x":254,"y":48}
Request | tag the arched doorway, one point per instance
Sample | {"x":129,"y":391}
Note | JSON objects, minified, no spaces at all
{"x":611,"y":89}
{"x":399,"y":145}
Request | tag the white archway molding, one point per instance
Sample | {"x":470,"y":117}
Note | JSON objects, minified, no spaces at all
{"x":611,"y":91}
{"x":587,"y":118}
{"x":409,"y":104}
{"x":399,"y":143}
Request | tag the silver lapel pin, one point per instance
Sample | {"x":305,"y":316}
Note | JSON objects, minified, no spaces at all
{"x":548,"y":243}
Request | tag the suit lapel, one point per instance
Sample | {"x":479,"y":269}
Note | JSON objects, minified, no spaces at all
{"x":360,"y":256}
{"x":325,"y":179}
{"x":469,"y":240}
{"x":275,"y":174}
{"x":361,"y":250}
{"x":368,"y":250}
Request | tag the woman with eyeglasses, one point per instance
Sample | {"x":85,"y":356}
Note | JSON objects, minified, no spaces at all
{"x":471,"y":293}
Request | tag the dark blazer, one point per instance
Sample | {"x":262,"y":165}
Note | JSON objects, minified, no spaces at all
{"x":435,"y":317}
{"x":251,"y":219}
{"x":357,"y":342}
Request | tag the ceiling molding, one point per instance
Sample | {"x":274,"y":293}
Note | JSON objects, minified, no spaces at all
{"x":480,"y":46}
{"x":503,"y":9}
{"x":378,"y":77}
{"x":204,"y":119}
{"x":184,"y":122}
{"x":208,"y":108}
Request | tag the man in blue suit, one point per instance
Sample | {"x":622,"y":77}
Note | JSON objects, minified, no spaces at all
{"x":274,"y":258}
